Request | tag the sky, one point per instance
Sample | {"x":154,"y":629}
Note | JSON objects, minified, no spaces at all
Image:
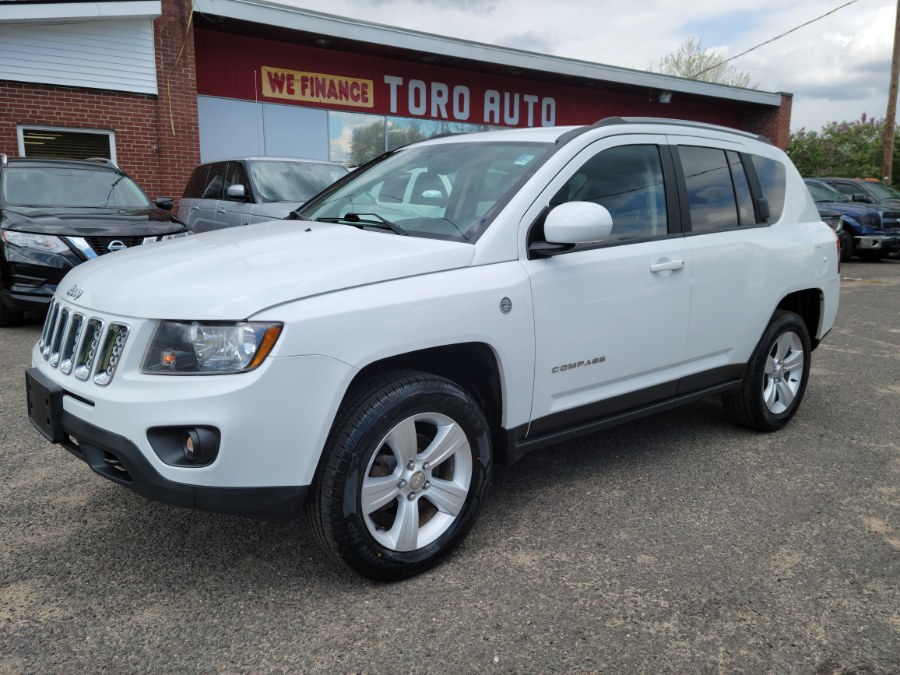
{"x":838,"y":68}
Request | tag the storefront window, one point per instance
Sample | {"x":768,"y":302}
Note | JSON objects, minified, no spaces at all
{"x":356,"y":138}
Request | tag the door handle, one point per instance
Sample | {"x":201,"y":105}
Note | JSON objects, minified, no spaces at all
{"x":667,"y":266}
{"x":220,"y":210}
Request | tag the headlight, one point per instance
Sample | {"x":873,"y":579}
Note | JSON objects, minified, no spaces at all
{"x":207,"y":347}
{"x":42,"y":242}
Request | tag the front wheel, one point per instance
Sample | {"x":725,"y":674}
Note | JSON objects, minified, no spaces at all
{"x":403,"y":476}
{"x":776,"y":376}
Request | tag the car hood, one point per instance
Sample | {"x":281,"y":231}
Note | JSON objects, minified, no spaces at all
{"x":846,"y":207}
{"x":91,"y":222}
{"x":234,"y":273}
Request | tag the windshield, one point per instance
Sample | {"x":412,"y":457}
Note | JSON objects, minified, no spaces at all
{"x":69,"y":187}
{"x":825,"y":193}
{"x":292,"y":181}
{"x":882,"y":191}
{"x":446,"y":190}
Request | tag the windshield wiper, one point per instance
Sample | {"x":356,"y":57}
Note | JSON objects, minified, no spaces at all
{"x":357,"y":220}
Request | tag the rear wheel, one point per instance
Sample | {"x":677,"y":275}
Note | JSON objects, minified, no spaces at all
{"x":776,"y":376}
{"x":403,"y":476}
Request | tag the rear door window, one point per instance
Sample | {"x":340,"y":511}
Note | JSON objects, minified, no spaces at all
{"x":710,"y":191}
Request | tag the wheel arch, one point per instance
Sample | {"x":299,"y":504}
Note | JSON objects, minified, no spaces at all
{"x":808,"y":305}
{"x":472,"y":365}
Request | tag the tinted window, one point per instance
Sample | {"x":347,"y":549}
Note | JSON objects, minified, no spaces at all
{"x":709,"y":187}
{"x":215,"y":181}
{"x":628,"y":181}
{"x":197,"y":183}
{"x":771,"y":180}
{"x":741,"y":189}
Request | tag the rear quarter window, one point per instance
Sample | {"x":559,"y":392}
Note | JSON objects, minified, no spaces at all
{"x":771,"y":177}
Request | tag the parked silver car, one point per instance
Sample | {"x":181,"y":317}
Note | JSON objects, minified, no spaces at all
{"x":252,"y":189}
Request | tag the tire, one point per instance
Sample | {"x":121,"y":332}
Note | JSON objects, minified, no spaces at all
{"x":846,"y":243}
{"x":379,"y":502}
{"x":850,"y":249}
{"x":776,"y":376}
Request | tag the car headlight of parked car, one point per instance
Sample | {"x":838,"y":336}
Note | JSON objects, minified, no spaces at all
{"x":205,"y":347}
{"x":43,"y":242}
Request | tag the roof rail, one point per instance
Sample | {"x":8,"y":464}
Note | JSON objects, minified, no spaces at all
{"x":610,"y":121}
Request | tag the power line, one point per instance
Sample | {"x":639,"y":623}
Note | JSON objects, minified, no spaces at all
{"x":777,"y":37}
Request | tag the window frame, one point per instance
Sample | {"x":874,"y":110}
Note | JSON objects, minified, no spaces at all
{"x":22,"y":128}
{"x":756,"y":193}
{"x":670,"y":188}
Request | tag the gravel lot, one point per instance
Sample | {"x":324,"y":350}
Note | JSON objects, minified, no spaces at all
{"x":677,"y":543}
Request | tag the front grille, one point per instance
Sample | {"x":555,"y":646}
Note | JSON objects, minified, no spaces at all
{"x":81,"y":345}
{"x":101,"y":244}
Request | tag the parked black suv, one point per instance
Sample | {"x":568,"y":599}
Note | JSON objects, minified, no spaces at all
{"x":56,"y":213}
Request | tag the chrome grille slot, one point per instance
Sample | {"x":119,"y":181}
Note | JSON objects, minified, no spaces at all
{"x":87,"y":351}
{"x":52,"y":321}
{"x":70,"y":341}
{"x":76,"y":343}
{"x":113,"y":344}
{"x":55,"y":342}
{"x":48,"y":322}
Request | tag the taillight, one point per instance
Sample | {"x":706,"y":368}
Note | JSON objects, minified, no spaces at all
{"x":837,"y":242}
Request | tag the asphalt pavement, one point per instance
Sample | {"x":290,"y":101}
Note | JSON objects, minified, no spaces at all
{"x":678,"y":543}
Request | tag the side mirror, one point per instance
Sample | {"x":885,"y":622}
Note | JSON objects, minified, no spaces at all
{"x":577,"y":223}
{"x":860,"y":197}
{"x":165,"y":203}
{"x":236,"y":192}
{"x":570,"y":224}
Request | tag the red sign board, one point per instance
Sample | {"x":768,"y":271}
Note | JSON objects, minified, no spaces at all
{"x":263,"y":70}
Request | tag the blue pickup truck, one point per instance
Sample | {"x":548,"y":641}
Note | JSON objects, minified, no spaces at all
{"x":871,"y":232}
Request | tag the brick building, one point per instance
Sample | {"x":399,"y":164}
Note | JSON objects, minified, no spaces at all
{"x":159,"y":85}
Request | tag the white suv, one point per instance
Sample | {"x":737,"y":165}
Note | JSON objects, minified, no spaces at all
{"x":455,"y":304}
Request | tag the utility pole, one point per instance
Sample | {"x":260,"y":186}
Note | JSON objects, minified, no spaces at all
{"x":890,"y":121}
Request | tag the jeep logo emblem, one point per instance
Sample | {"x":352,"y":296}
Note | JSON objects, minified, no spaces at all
{"x":116,"y":245}
{"x":74,"y":292}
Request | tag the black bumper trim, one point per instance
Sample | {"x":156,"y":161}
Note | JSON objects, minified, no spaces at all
{"x":119,"y":460}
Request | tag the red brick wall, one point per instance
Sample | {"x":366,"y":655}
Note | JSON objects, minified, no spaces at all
{"x":773,"y":123}
{"x":146,"y":147}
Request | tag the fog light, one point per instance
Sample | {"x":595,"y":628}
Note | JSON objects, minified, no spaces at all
{"x":192,"y":446}
{"x":185,"y":446}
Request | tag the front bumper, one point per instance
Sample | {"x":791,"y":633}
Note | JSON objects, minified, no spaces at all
{"x":119,"y":460}
{"x":876,"y":242}
{"x":270,"y":423}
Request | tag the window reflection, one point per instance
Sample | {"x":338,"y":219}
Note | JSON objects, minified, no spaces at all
{"x":355,"y":138}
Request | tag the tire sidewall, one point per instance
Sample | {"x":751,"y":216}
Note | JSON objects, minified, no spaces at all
{"x":784,"y":323}
{"x":414,"y":395}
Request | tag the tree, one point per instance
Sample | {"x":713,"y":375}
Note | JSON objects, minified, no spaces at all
{"x":370,"y":141}
{"x":695,"y":63}
{"x":853,"y":149}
